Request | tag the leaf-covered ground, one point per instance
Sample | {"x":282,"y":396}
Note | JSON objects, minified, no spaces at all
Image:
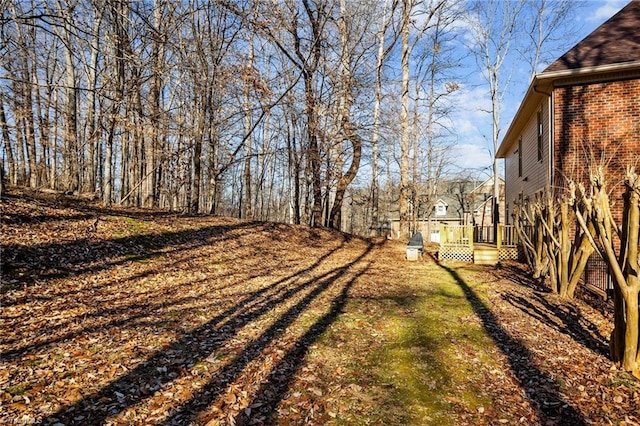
{"x":139,"y":317}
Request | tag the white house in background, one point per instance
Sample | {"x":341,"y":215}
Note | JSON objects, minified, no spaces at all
{"x":440,"y":208}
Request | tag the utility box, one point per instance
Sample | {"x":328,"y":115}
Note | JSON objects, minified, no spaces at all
{"x":415,"y":247}
{"x":412,"y":253}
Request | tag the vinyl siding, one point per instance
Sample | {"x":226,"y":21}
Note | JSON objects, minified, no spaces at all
{"x":534,"y":172}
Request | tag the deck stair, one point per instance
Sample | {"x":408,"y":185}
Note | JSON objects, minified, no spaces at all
{"x":485,"y":254}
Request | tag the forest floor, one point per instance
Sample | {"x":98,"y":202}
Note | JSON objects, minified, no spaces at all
{"x":121,"y":316}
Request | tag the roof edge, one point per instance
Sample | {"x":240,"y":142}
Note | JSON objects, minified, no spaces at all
{"x":546,"y":79}
{"x":600,"y":69}
{"x":531,"y":93}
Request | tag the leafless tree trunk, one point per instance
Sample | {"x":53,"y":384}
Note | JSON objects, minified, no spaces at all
{"x":247,"y":203}
{"x":383,"y":51}
{"x":93,"y":128}
{"x":315,"y":16}
{"x":607,"y":236}
{"x":149,"y":196}
{"x":6,"y":141}
{"x":554,"y":244}
{"x":347,"y":127}
{"x":118,"y":12}
{"x":494,"y":26}
{"x":71,"y":164}
{"x":528,"y":223}
{"x":23,"y":103}
{"x":405,"y":138}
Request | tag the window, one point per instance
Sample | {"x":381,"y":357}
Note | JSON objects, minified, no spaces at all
{"x":520,"y":157}
{"x":540,"y":131}
{"x":441,"y":210}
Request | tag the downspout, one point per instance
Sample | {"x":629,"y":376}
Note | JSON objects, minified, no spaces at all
{"x":551,"y":139}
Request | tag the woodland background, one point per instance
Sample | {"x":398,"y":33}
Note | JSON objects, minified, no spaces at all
{"x":332,"y":113}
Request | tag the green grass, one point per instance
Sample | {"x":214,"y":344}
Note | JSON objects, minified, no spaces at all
{"x":424,"y":366}
{"x":129,"y":226}
{"x":18,"y":390}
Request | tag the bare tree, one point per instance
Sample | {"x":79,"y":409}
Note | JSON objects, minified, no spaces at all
{"x":553,"y":245}
{"x":117,"y":18}
{"x":528,"y":217}
{"x":618,"y":243}
{"x":346,"y":29}
{"x":434,"y":83}
{"x":493,"y":32}
{"x":546,"y":21}
{"x":405,"y":190}
{"x":71,"y":168}
{"x":248,"y":74}
{"x":6,"y":142}
{"x":383,"y":51}
{"x":93,"y":127}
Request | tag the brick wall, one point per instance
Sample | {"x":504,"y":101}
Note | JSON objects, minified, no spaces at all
{"x":597,"y":123}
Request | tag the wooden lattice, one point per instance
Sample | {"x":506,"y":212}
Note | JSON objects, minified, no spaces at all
{"x":461,"y":254}
{"x":509,"y":253}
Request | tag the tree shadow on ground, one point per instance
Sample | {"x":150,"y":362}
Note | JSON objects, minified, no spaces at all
{"x":87,"y":209}
{"x":161,"y":369}
{"x":128,"y":312}
{"x":84,"y":256}
{"x":274,"y":389}
{"x":565,"y":318}
{"x":540,"y":389}
{"x":517,"y":274}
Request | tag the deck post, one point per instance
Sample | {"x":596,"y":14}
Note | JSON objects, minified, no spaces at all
{"x":499,"y":236}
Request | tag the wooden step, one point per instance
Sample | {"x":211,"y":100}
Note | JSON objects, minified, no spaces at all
{"x":485,"y":256}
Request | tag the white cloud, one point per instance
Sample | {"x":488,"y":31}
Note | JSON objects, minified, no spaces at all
{"x":470,"y":115}
{"x":471,"y":156}
{"x":471,"y":124}
{"x":604,"y":10}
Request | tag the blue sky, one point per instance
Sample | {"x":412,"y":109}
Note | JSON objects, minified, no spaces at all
{"x":473,"y":125}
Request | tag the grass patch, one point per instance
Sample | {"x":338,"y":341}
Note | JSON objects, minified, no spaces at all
{"x":18,"y":390}
{"x":428,"y":348}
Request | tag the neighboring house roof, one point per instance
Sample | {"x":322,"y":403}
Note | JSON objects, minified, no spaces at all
{"x":487,"y":184}
{"x":450,"y":203}
{"x":481,"y":205}
{"x":613,"y":46}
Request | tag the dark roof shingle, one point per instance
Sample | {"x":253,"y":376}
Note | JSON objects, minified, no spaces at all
{"x":615,"y":41}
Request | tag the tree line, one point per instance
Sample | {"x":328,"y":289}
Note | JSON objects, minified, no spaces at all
{"x":294,"y":110}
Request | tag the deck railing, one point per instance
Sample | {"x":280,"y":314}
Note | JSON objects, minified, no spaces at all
{"x":507,"y":236}
{"x":457,"y":243}
{"x":466,"y":235}
{"x":456,"y":235}
{"x":483,"y":234}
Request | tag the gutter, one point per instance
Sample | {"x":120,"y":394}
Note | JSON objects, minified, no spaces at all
{"x":547,"y":79}
{"x":600,"y":69}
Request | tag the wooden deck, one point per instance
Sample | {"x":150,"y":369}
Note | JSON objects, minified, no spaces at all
{"x":457,"y":243}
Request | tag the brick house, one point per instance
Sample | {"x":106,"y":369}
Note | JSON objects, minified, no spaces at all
{"x":581,"y":110}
